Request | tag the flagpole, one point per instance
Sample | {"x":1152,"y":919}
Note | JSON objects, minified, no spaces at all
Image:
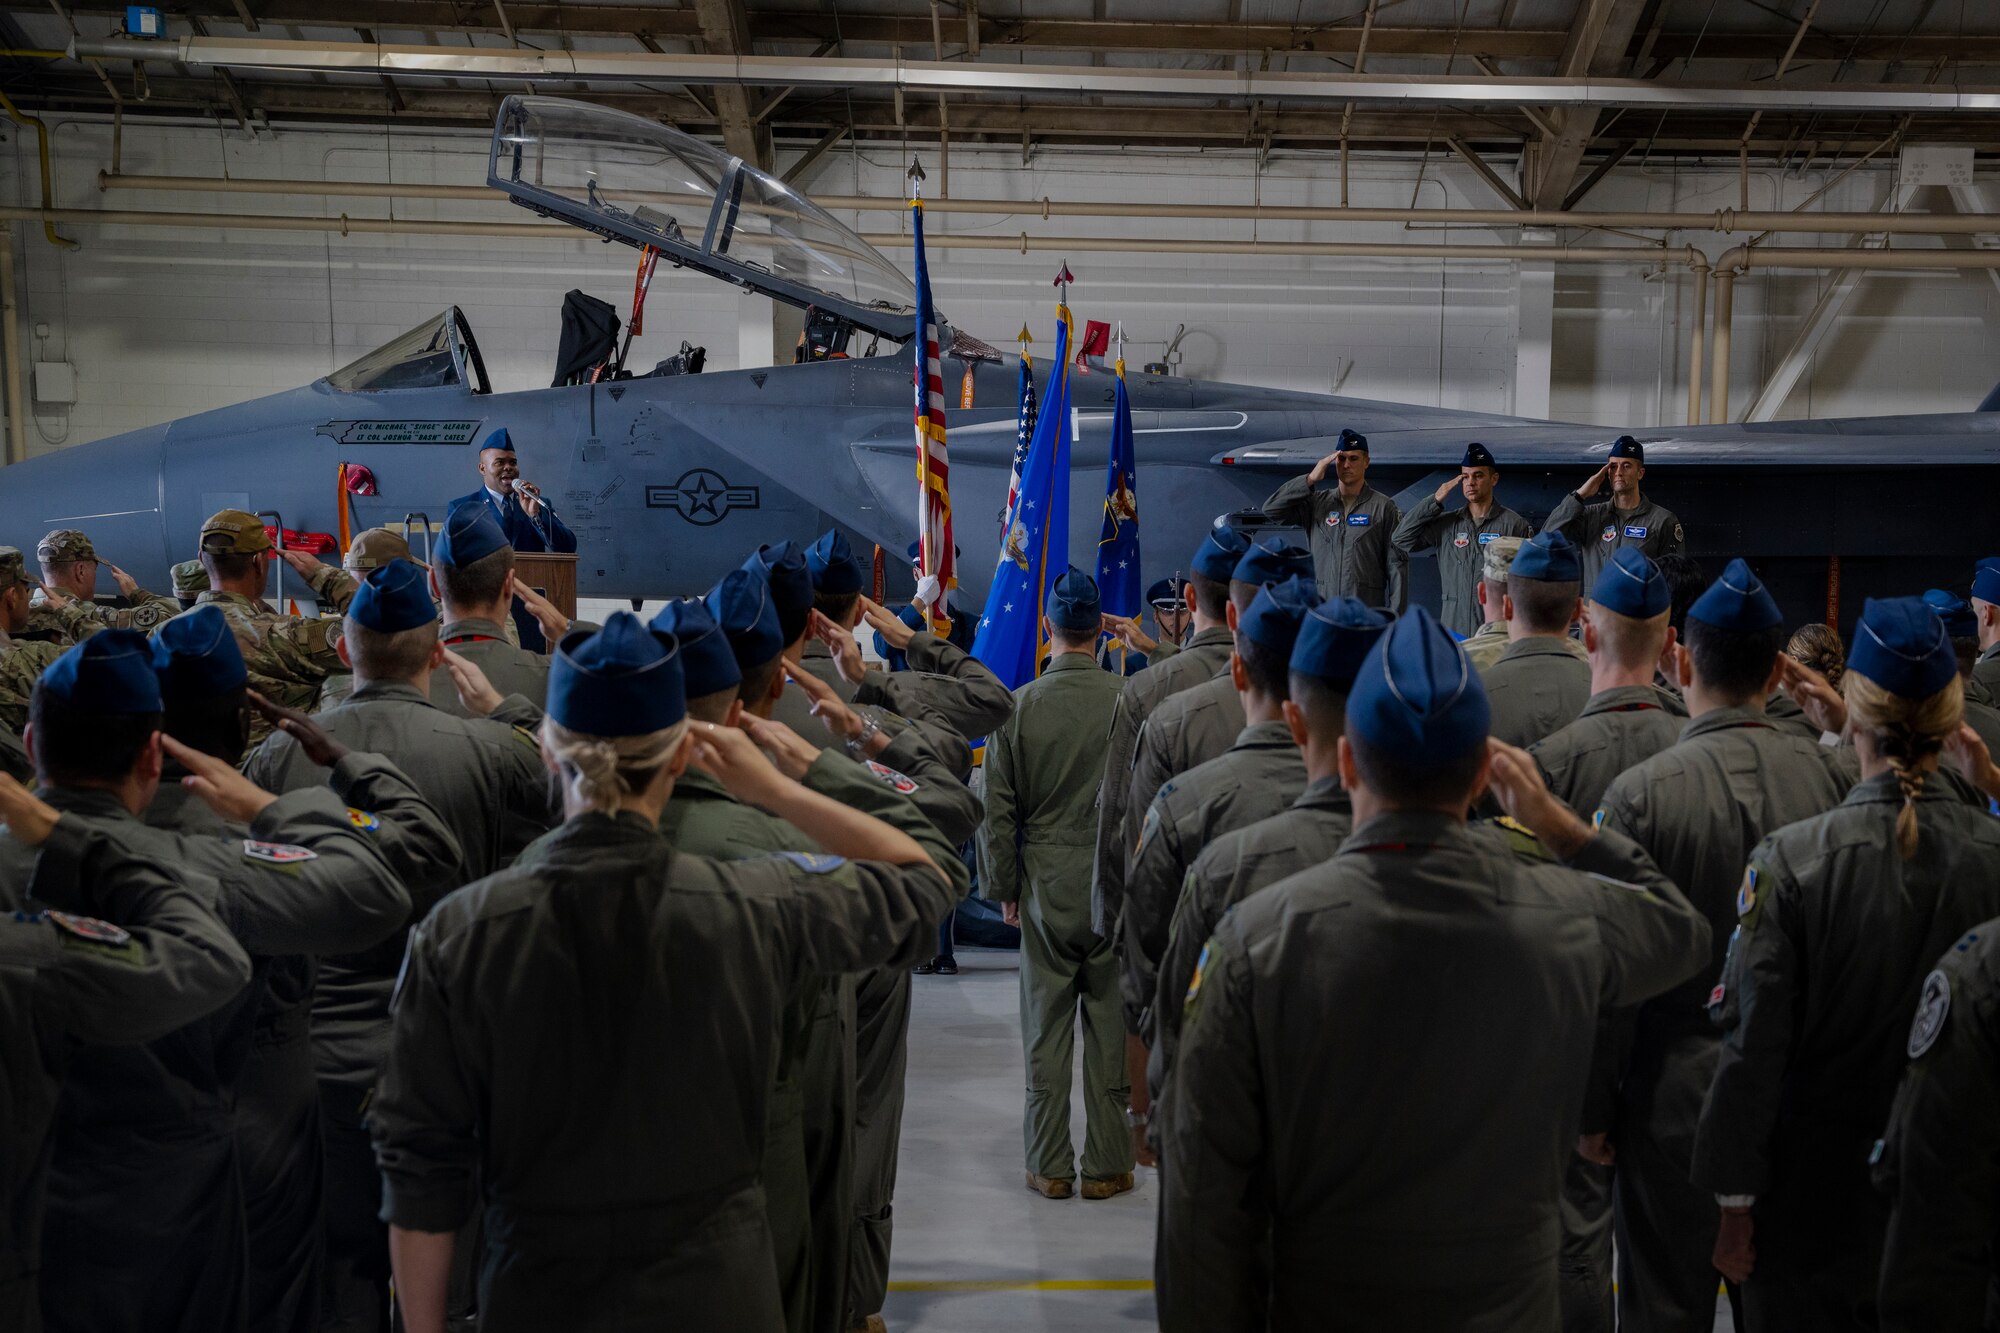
{"x":915,"y":175}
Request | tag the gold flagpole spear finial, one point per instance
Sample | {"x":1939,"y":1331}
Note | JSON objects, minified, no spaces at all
{"x":1119,"y":340}
{"x":915,"y":176}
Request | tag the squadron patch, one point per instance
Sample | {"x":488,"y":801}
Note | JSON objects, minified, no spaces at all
{"x":814,"y":863}
{"x":362,"y":820}
{"x":1461,"y":541}
{"x":1152,"y":824}
{"x":901,"y":782}
{"x":1597,"y":819}
{"x":1194,"y":982}
{"x":1610,"y":533}
{"x":277,"y":853}
{"x":1933,"y":1006}
{"x":1749,"y":904}
{"x":90,"y":929}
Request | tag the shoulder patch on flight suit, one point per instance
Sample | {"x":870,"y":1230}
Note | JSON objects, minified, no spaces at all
{"x":90,"y":930}
{"x":1749,"y":901}
{"x":902,"y":782}
{"x":1597,"y":820}
{"x":1717,"y":1008}
{"x":813,"y":863}
{"x":1194,"y":982}
{"x":362,"y":820}
{"x":1933,"y":1007}
{"x":1678,"y":536}
{"x":277,"y":853}
{"x":1152,"y":824}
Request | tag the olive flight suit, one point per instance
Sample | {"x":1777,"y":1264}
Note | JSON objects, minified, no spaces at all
{"x":1836,"y":932}
{"x":1536,"y":688}
{"x":1042,"y":769}
{"x":1231,"y":868}
{"x":1461,"y":541}
{"x":1939,"y":1160}
{"x":1986,"y":671}
{"x":1353,"y":555}
{"x":1599,"y":528}
{"x":538,"y":1053}
{"x":1698,"y":808}
{"x":1258,"y":777}
{"x":1191,"y":728}
{"x":1619,"y":728}
{"x":1379,"y":1073}
{"x":1205,"y":657}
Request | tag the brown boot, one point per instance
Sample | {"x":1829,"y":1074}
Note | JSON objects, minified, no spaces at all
{"x":872,"y":1324}
{"x":1105,"y":1189}
{"x":1052,"y":1189}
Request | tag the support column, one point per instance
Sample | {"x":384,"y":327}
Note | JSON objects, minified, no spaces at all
{"x":1694,"y":344}
{"x":1725,"y":303}
{"x":1534,"y":312}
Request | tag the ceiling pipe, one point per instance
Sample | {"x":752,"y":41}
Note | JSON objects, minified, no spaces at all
{"x":974,"y":78}
{"x":1724,"y":221}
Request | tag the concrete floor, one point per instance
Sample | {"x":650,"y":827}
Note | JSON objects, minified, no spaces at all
{"x":975,"y":1252}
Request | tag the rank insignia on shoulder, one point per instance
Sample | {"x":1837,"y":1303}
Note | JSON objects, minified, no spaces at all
{"x":902,"y":782}
{"x":90,"y":929}
{"x":277,"y":853}
{"x":362,"y":820}
{"x":814,"y":863}
{"x":1933,"y":1007}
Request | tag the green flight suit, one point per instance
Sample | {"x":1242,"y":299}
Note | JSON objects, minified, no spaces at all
{"x":1836,"y":932}
{"x":509,"y":668}
{"x":1461,"y":546}
{"x":794,"y":708}
{"x":1698,"y":807}
{"x":1191,"y":728}
{"x":1617,"y":729}
{"x":22,"y":662}
{"x":1205,"y":657}
{"x":1378,"y":1078}
{"x":1783,"y":712}
{"x":1986,"y":671}
{"x":1256,"y":778}
{"x":593,"y":1038}
{"x":1231,"y":868}
{"x":1353,"y":555}
{"x":1598,"y":529}
{"x":1939,"y":1161}
{"x":1536,"y":688}
{"x":1042,"y":769}
{"x":67,"y":981}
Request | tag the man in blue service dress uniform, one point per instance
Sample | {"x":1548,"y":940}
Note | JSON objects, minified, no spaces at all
{"x":530,"y":522}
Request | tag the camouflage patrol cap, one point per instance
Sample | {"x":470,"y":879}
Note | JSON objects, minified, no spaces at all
{"x":65,"y":544}
{"x":13,"y":568}
{"x":233,"y":532}
{"x":1500,"y":553}
{"x":190,"y":579}
{"x":373,"y":548}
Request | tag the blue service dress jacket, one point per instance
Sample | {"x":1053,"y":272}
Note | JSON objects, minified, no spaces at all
{"x":548,"y":533}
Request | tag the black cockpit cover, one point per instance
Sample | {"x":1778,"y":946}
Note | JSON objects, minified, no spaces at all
{"x":589,"y":337}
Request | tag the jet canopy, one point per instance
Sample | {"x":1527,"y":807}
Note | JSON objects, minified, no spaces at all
{"x":628,"y":179}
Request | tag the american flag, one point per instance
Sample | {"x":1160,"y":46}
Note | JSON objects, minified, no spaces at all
{"x":937,"y":565}
{"x":1024,"y":431}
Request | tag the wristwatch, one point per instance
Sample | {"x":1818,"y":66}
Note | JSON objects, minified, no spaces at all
{"x":1136,"y":1119}
{"x":870,"y":729}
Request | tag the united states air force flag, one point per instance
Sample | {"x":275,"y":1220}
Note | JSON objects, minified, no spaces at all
{"x":1035,"y":551}
{"x":1118,"y":541}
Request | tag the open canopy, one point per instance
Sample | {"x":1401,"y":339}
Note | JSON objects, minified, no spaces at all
{"x":642,"y":183}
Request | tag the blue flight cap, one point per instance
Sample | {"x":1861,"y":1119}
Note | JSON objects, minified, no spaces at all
{"x":1167,"y":594}
{"x":1901,"y":645}
{"x":1271,"y":561}
{"x":1072,"y":603}
{"x":622,"y":680}
{"x":1955,"y":612}
{"x":784,"y":565}
{"x":196,"y":656}
{"x":1986,"y":583}
{"x":743,"y":606}
{"x":1737,"y":601}
{"x":1274,"y":615}
{"x":833,"y":566}
{"x":1630,"y":584}
{"x":497,"y":440}
{"x":1219,"y":552}
{"x":1351,"y":441}
{"x":1334,"y":638}
{"x":1416,"y":699}
{"x":708,"y":663}
{"x":392,"y":598}
{"x":109,"y":672}
{"x":471,"y":532}
{"x":1478,"y":455}
{"x":1627,"y":447}
{"x":1547,"y":557}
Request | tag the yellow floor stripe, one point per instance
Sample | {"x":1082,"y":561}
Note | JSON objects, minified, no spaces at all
{"x":1031,"y":1284}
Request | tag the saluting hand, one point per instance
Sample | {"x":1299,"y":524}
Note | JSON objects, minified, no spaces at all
{"x":1515,"y":781}
{"x":792,"y":753}
{"x":219,"y":785}
{"x":1126,"y":630}
{"x":1318,"y":474}
{"x":841,"y":721}
{"x":28,"y":817}
{"x":127,"y":585}
{"x":1973,"y":762}
{"x":54,"y":597}
{"x":474,"y":690}
{"x":315,"y":741}
{"x":846,"y":652}
{"x":1450,"y":485}
{"x":1819,"y":701}
{"x":302,"y":562}
{"x":553,"y":622}
{"x":1595,"y":484}
{"x":893,"y":631}
{"x":733,"y":759}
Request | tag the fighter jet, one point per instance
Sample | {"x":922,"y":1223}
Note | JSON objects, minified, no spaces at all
{"x":668,"y":478}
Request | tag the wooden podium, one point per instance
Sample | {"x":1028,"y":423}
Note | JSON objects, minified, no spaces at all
{"x":551,"y":575}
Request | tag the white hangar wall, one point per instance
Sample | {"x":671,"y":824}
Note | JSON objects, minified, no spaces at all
{"x":162,"y":322}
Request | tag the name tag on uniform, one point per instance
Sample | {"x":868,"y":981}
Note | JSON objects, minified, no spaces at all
{"x":1357,"y":520}
{"x":1486,"y":537}
{"x":1636,"y":532}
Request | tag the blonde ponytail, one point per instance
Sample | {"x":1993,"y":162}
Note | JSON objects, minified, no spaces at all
{"x":597,"y":772}
{"x":1905,"y":733}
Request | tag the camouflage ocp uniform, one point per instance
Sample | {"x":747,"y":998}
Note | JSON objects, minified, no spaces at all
{"x":82,"y":617}
{"x":21,"y":661}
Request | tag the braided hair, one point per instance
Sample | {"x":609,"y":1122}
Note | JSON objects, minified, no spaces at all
{"x":1906,"y":733}
{"x":596,"y":772}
